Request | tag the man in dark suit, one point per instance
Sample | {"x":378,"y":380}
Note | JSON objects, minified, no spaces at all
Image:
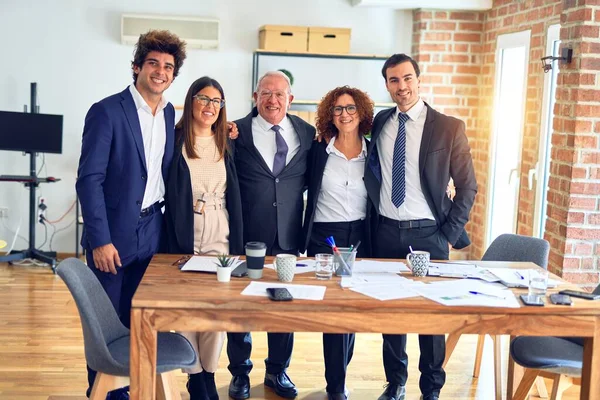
{"x":270,"y":157}
{"x":126,"y":151}
{"x":414,"y":153}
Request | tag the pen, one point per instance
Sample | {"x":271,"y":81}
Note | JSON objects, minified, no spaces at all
{"x":485,"y":294}
{"x":301,"y":265}
{"x":519,"y":275}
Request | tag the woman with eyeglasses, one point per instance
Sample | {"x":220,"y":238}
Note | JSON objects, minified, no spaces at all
{"x":337,"y":201}
{"x":203,"y":207}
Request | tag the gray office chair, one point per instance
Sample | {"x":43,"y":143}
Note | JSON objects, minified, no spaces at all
{"x":106,"y":339}
{"x":559,"y":359}
{"x":511,"y":248}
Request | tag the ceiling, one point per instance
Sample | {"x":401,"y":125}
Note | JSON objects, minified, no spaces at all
{"x":477,"y":5}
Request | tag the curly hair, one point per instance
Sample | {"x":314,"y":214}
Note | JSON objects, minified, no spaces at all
{"x":161,"y":41}
{"x":364,"y":107}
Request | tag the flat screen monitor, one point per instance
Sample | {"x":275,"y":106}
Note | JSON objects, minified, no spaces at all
{"x":39,"y":133}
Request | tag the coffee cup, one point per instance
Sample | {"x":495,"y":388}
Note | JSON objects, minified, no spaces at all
{"x":418,"y":261}
{"x":285,"y":265}
{"x":255,"y":259}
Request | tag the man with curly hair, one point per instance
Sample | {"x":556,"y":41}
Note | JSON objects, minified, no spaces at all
{"x":415,"y":151}
{"x":127,"y":147}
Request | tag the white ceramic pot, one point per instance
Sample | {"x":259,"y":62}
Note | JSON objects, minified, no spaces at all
{"x":224,"y":274}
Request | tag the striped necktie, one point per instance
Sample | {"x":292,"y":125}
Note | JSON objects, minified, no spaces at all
{"x":398,"y":172}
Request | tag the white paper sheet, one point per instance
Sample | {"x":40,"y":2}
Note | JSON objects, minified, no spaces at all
{"x":460,"y":270}
{"x":379,"y":266}
{"x":511,"y":277}
{"x":458,"y":293}
{"x":302,"y":266}
{"x":206,"y":264}
{"x":304,"y":292}
{"x":387,"y":291}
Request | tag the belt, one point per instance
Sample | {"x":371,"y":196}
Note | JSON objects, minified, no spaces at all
{"x":415,"y":223}
{"x":152,"y":209}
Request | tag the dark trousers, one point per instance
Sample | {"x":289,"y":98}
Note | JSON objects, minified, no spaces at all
{"x":392,"y":242}
{"x":239,"y":345}
{"x":122,"y":286}
{"x":337,"y":347}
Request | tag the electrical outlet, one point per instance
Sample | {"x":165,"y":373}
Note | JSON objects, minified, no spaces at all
{"x":3,"y":212}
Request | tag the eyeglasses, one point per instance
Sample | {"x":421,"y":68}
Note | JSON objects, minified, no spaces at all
{"x":266,"y":94}
{"x":205,"y":100}
{"x":338,"y":110}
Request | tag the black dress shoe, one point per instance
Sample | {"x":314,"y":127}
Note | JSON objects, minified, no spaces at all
{"x":211,"y":387}
{"x":336,"y":396}
{"x":239,"y":387}
{"x":119,"y":394}
{"x":393,"y":392}
{"x":281,"y":384}
{"x":433,"y":396}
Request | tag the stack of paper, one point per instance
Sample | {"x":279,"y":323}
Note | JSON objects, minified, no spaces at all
{"x":511,"y":277}
{"x":207,"y":264}
{"x":467,"y":292}
{"x":460,"y":270}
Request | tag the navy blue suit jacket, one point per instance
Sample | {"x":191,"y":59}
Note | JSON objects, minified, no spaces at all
{"x":112,"y":173}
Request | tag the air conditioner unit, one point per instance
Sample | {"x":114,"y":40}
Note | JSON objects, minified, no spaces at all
{"x":199,"y":33}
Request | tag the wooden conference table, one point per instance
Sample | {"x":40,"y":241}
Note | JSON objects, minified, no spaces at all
{"x":168,"y":299}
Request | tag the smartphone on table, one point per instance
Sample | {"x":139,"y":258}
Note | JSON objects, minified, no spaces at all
{"x":581,"y":295}
{"x":279,"y":294}
{"x":560,"y":299}
{"x":532,"y":300}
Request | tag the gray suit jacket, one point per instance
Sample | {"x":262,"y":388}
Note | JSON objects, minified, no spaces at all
{"x":444,"y":153}
{"x":272,"y":205}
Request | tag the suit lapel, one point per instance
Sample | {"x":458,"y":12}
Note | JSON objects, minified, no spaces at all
{"x":246,"y":140}
{"x":170,"y":139}
{"x":134,"y":124}
{"x":426,"y":139}
{"x":305,"y":142}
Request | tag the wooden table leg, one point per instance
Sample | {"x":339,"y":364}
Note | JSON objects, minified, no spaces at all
{"x":142,"y":369}
{"x":590,"y":377}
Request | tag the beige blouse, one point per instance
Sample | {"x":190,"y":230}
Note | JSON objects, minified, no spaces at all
{"x":207,"y":173}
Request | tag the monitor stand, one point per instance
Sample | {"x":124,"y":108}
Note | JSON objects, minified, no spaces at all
{"x":48,"y":257}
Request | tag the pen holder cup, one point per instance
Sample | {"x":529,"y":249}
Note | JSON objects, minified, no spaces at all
{"x":343,"y":262}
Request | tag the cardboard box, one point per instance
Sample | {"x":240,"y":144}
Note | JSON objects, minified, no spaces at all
{"x":328,"y":40}
{"x":292,"y":39}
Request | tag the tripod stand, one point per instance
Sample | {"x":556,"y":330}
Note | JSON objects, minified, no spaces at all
{"x":31,"y":181}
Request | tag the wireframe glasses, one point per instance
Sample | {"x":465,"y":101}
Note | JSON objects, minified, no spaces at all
{"x":205,"y":100}
{"x":266,"y":94}
{"x":338,"y":110}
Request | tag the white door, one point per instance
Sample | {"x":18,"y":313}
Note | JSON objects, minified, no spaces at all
{"x":512,"y":58}
{"x":541,"y":172}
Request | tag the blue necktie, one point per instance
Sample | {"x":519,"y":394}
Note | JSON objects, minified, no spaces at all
{"x":398,"y":173}
{"x":282,"y":150}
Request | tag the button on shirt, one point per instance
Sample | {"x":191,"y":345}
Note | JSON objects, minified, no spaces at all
{"x":264,"y":139}
{"x":343,"y":196}
{"x":154,"y":136}
{"x":415,"y":205}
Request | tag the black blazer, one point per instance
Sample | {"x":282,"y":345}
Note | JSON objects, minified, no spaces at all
{"x":179,"y":208}
{"x":444,"y":154}
{"x":317,"y":160}
{"x":272,"y":205}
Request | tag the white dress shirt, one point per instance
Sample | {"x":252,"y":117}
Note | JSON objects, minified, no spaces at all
{"x":264,"y":139}
{"x":154,"y":136}
{"x":343,"y":196}
{"x":415,"y":205}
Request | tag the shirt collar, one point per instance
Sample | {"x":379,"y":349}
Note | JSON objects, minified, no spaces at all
{"x":414,"y":111}
{"x":266,"y":126}
{"x":331,"y":148}
{"x":141,"y":103}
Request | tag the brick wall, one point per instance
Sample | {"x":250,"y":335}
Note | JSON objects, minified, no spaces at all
{"x":447,"y":46}
{"x":573,"y":225}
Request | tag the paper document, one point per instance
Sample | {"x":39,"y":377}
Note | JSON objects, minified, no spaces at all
{"x":459,"y":270}
{"x":379,"y":266}
{"x":511,"y":277}
{"x":304,"y":292}
{"x":207,"y":264}
{"x":388,"y":291}
{"x":467,"y":292}
{"x":302,"y":266}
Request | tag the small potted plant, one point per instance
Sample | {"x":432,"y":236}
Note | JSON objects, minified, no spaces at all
{"x":224,"y":267}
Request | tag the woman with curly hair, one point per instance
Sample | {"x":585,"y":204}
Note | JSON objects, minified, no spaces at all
{"x":337,"y":201}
